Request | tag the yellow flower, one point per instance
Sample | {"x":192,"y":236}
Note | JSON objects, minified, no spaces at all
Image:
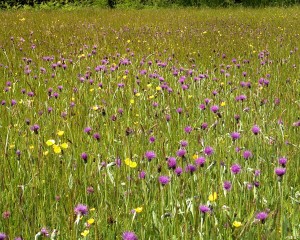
{"x":31,"y":147}
{"x":195,"y":156}
{"x":11,"y":146}
{"x":92,"y":89}
{"x":128,"y":41}
{"x":190,"y":96}
{"x":95,"y":108}
{"x":127,"y":161}
{"x":131,"y":101}
{"x":158,"y":88}
{"x":50,"y":142}
{"x":237,"y":224}
{"x":60,"y":133}
{"x":138,"y":209}
{"x":92,"y":209}
{"x":45,"y":153}
{"x":91,"y":221}
{"x":213,"y":197}
{"x":130,"y":163}
{"x":150,"y":97}
{"x":64,"y":145}
{"x":137,"y":94}
{"x":85,"y":233}
{"x":149,"y":85}
{"x":223,"y":104}
{"x":56,"y":148}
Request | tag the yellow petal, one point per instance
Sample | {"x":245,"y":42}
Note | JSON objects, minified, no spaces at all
{"x":127,"y":161}
{"x":158,"y":88}
{"x":213,"y":197}
{"x":64,"y":145}
{"x":50,"y":142}
{"x":85,"y":233}
{"x":237,"y":224}
{"x":132,"y":164}
{"x":91,"y":221}
{"x":60,"y":133}
{"x":138,"y":209}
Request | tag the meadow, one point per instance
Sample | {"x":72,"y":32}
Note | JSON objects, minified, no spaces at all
{"x":150,"y":124}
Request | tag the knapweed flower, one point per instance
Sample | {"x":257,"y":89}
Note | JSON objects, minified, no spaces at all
{"x":247,"y":154}
{"x":6,"y":214}
{"x":87,"y":130}
{"x":261,"y":216}
{"x":172,"y":163}
{"x":227,"y":185}
{"x":183,"y":143}
{"x":84,"y":156}
{"x":129,"y":236}
{"x":81,"y":210}
{"x":35,"y":128}
{"x":214,"y":108}
{"x":235,"y":135}
{"x":190,"y":168}
{"x":208,"y":151}
{"x":282,"y":161}
{"x":181,"y":152}
{"x":200,"y":161}
{"x":164,"y":180}
{"x":44,"y":232}
{"x":150,"y":155}
{"x":142,"y":175}
{"x":235,"y":168}
{"x":178,"y":171}
{"x":188,"y":129}
{"x":204,"y":209}
{"x":96,"y":136}
{"x":236,"y":224}
{"x":3,"y":236}
{"x":255,"y":130}
{"x":280,"y":171}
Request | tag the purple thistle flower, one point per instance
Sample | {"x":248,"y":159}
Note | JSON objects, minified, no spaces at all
{"x":204,"y":209}
{"x":255,"y":130}
{"x":261,"y":216}
{"x":87,"y":130}
{"x":181,"y":152}
{"x":2,"y":236}
{"x":178,"y":171}
{"x":150,"y":155}
{"x":280,"y":171}
{"x":208,"y":150}
{"x":190,"y":168}
{"x":183,"y":143}
{"x":227,"y":185}
{"x":142,"y":175}
{"x":235,"y":135}
{"x":188,"y":129}
{"x":214,"y":108}
{"x":35,"y":128}
{"x":152,"y":139}
{"x":247,"y":154}
{"x":84,"y":156}
{"x":172,"y":162}
{"x":164,"y":180}
{"x":282,"y":161}
{"x":6,"y":214}
{"x":202,"y":106}
{"x":129,"y":236}
{"x":179,"y":110}
{"x":235,"y":168}
{"x":18,"y":238}
{"x":81,"y":210}
{"x":200,"y":161}
{"x":204,"y":126}
{"x":96,"y":136}
{"x":44,"y":232}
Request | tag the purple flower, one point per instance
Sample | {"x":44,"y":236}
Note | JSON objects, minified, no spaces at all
{"x":282,"y":161}
{"x":200,"y":161}
{"x":190,"y":168}
{"x":172,"y":163}
{"x":227,"y":185}
{"x":152,"y":139}
{"x":35,"y":128}
{"x":235,"y":135}
{"x":96,"y":136}
{"x":188,"y":129}
{"x":129,"y":236}
{"x":84,"y":156}
{"x":87,"y":130}
{"x":214,"y":108}
{"x":164,"y":180}
{"x":44,"y":232}
{"x":178,"y":171}
{"x":280,"y":171}
{"x":204,"y":126}
{"x":247,"y":154}
{"x":181,"y":152}
{"x":204,"y":209}
{"x":183,"y":143}
{"x":235,"y":168}
{"x":142,"y":175}
{"x":2,"y":236}
{"x":81,"y":210}
{"x":150,"y":155}
{"x":255,"y":129}
{"x":261,"y":216}
{"x":208,"y":151}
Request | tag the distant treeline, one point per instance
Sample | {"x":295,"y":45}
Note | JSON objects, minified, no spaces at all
{"x":146,"y":3}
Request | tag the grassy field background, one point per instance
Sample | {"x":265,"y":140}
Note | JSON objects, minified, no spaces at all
{"x":98,"y":105}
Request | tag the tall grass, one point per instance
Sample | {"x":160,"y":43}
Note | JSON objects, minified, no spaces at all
{"x":145,"y":81}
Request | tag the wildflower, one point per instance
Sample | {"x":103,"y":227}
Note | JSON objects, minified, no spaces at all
{"x":178,"y":171}
{"x":255,"y":130}
{"x":152,"y":139}
{"x":164,"y":180}
{"x":282,"y":161}
{"x":142,"y":175}
{"x":81,"y":210}
{"x":3,"y":236}
{"x":261,"y":216}
{"x":64,"y":145}
{"x":181,"y":152}
{"x":247,"y":154}
{"x":235,"y":168}
{"x":236,"y":224}
{"x":130,"y":163}
{"x":50,"y":142}
{"x":35,"y":128}
{"x":183,"y":143}
{"x":96,"y":136}
{"x":138,"y":209}
{"x":204,"y":209}
{"x":190,"y":168}
{"x":129,"y":236}
{"x":188,"y":129}
{"x":6,"y":214}
{"x":280,"y":171}
{"x":90,"y":190}
{"x":85,"y":233}
{"x":44,"y":232}
{"x":214,"y":108}
{"x":200,"y":161}
{"x":208,"y":151}
{"x":213,"y":197}
{"x":84,"y":156}
{"x":227,"y":185}
{"x":87,"y":130}
{"x":91,"y":221}
{"x":60,"y":133}
{"x":235,"y":135}
{"x":56,"y":148}
{"x":150,"y":155}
